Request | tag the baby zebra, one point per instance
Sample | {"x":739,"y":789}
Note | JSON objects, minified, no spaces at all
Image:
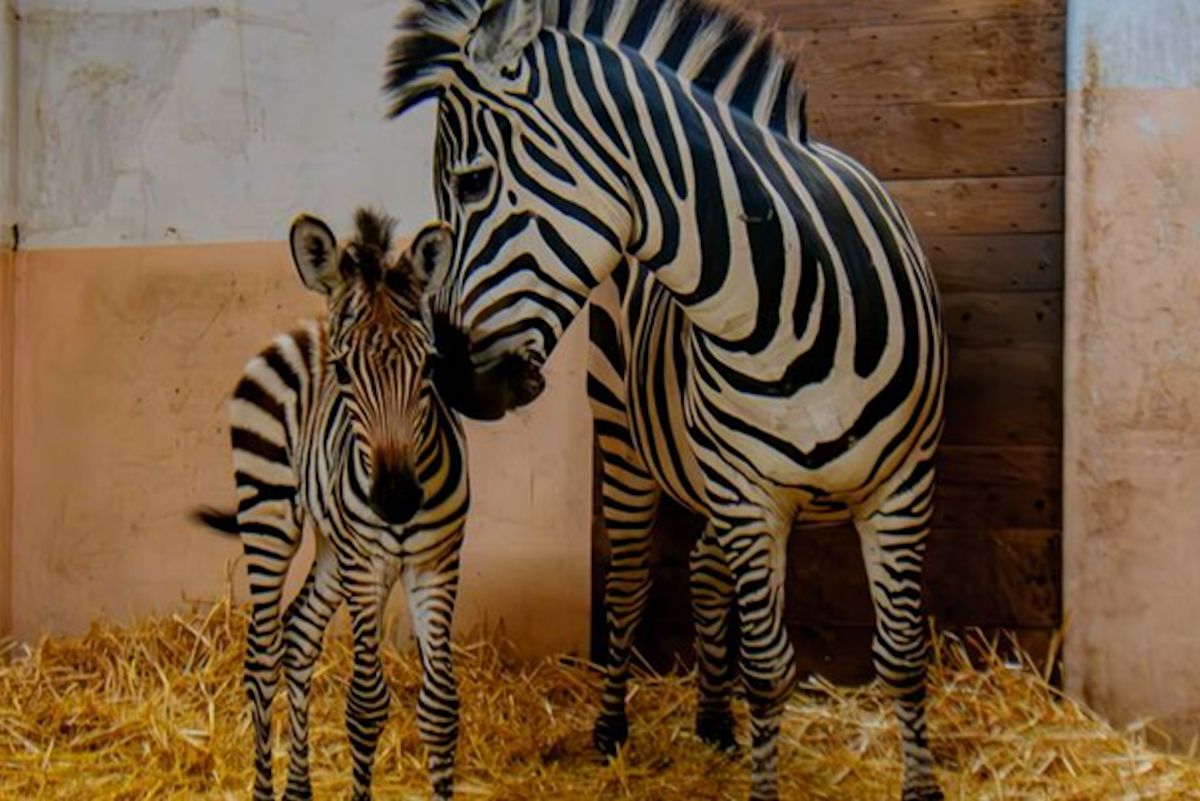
{"x":338,"y":422}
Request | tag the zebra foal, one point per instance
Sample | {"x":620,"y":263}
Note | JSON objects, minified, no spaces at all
{"x":338,"y":423}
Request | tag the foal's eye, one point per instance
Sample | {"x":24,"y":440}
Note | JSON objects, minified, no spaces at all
{"x":340,"y":372}
{"x":472,"y":186}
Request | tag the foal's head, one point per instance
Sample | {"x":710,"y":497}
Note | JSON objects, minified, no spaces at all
{"x":380,"y":351}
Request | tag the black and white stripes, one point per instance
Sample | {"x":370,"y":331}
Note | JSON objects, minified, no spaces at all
{"x":772,"y":348}
{"x":338,"y":424}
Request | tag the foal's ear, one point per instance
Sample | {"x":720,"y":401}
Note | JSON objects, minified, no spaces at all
{"x":505,"y":29}
{"x":315,"y":253}
{"x":430,"y":253}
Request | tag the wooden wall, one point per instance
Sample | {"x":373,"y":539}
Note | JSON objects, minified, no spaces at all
{"x":958,"y":105}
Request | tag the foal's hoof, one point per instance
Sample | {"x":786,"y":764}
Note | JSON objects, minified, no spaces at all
{"x":717,"y":732}
{"x":924,"y":793}
{"x":298,"y":790}
{"x":609,"y":735}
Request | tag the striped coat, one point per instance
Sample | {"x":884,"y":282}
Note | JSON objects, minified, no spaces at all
{"x":773,"y":349}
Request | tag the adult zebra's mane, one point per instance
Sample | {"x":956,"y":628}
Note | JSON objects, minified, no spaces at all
{"x":709,"y":43}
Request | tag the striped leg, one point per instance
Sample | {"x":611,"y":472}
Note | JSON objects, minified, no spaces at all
{"x":270,"y":537}
{"x":431,"y":590}
{"x":368,"y":698}
{"x":630,"y":503}
{"x":756,"y":555}
{"x":712,"y":600}
{"x":304,"y":630}
{"x":893,"y":545}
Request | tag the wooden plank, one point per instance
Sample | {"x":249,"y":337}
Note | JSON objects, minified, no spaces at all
{"x":1012,"y":319}
{"x":996,"y":262}
{"x":937,"y":140}
{"x":1005,"y":465}
{"x":842,"y":655}
{"x":975,"y":577}
{"x":1025,"y":204}
{"x":798,"y":14}
{"x":998,"y":396}
{"x":935,"y":62}
{"x":1024,"y":506}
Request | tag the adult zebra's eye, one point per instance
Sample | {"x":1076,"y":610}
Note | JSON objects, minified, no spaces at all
{"x":472,"y":187}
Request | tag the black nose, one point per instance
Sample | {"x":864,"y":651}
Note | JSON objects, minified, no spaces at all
{"x":395,"y":495}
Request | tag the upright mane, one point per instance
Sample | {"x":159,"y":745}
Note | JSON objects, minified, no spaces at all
{"x":732,"y":54}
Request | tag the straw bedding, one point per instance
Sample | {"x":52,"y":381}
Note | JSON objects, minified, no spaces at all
{"x":156,"y":711}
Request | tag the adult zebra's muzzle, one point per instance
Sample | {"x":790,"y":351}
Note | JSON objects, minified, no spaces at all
{"x":512,"y":381}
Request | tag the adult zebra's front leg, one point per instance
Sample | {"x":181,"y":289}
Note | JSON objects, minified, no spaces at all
{"x":755,"y":546}
{"x":712,"y":602}
{"x":630,"y":501}
{"x":893,"y":545}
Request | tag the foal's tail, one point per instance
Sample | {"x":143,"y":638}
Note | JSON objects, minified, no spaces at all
{"x":216,"y":519}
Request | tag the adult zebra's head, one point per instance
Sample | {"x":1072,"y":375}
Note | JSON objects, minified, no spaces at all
{"x":379,"y":353}
{"x":539,"y":217}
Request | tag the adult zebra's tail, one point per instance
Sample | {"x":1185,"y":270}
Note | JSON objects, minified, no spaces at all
{"x":217,"y":520}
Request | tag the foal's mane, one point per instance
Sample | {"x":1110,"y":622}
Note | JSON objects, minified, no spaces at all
{"x":709,"y":43}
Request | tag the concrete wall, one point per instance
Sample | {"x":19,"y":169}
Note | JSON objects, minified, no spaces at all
{"x":1132,"y":439}
{"x":164,"y":148}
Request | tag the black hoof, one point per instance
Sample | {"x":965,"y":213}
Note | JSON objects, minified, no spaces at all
{"x":923,"y":794}
{"x":298,"y":791}
{"x":717,"y":732}
{"x":609,"y":735}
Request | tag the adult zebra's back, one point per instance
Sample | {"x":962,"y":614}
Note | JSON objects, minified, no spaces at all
{"x":778,"y":352}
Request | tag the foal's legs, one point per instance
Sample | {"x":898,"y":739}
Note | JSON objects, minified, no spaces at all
{"x":368,"y":699}
{"x":431,"y":588}
{"x":304,"y":630}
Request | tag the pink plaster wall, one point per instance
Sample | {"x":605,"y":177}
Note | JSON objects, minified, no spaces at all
{"x":1132,"y":434}
{"x":124,"y":359}
{"x":6,"y":438}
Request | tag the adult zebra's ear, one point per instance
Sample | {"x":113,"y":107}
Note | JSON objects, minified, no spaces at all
{"x":505,"y":29}
{"x":430,"y":253}
{"x":314,"y":252}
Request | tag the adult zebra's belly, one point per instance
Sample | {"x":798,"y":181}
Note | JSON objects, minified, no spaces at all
{"x":819,"y":452}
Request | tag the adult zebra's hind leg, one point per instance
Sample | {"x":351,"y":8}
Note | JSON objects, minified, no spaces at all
{"x":755,"y":547}
{"x":893,"y":546}
{"x":712,"y":602}
{"x":630,"y":499}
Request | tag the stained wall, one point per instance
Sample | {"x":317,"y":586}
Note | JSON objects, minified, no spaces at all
{"x":1132,"y":439}
{"x":164,"y":149}
{"x":8,"y":215}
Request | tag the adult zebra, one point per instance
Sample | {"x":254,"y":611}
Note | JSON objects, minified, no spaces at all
{"x":338,"y":423}
{"x":778,"y":352}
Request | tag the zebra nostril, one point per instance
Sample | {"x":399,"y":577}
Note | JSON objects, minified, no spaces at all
{"x":396,"y":496}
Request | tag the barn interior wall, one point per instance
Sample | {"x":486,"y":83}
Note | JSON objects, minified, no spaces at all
{"x":8,"y":215}
{"x":166,"y":147}
{"x":1132,"y":444}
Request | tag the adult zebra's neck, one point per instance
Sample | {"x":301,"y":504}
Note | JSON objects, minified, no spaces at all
{"x":706,"y":215}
